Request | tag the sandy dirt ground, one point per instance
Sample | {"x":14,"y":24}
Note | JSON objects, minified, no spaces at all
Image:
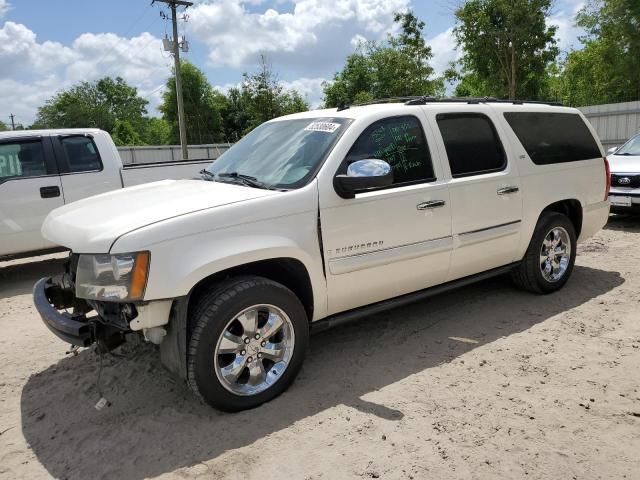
{"x":484,"y":382}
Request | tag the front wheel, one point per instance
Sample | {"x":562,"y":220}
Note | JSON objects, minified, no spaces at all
{"x":549,"y":260}
{"x":248,"y":343}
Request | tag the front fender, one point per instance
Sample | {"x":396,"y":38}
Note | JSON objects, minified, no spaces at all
{"x":178,"y":264}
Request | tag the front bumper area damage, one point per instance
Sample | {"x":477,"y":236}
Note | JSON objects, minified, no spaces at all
{"x":73,"y":329}
{"x":70,"y":319}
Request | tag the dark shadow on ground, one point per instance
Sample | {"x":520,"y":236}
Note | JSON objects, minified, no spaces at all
{"x":19,"y":278}
{"x":627,"y":223}
{"x":155,"y":425}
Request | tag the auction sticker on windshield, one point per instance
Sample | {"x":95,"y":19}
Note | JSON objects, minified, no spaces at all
{"x":328,"y":127}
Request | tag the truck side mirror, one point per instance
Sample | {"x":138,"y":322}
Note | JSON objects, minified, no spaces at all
{"x":612,"y":150}
{"x":363,"y":175}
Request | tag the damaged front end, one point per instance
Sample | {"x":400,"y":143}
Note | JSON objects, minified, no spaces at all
{"x":77,"y":321}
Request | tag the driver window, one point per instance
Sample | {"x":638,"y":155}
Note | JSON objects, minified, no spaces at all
{"x":401,"y":143}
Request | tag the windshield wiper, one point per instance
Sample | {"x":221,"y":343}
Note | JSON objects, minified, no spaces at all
{"x":207,"y":175}
{"x":626,"y":154}
{"x":244,"y":179}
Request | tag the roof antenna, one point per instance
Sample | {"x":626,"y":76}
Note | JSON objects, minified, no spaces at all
{"x":342,"y":106}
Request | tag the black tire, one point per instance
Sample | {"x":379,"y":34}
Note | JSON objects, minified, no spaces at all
{"x":213,"y":311}
{"x":528,"y":275}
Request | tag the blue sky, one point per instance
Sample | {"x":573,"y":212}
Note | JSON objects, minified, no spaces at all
{"x":47,"y":45}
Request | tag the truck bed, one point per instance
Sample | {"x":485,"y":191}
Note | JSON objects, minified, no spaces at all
{"x":151,"y":172}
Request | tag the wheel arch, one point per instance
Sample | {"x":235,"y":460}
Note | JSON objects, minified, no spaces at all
{"x":288,"y":271}
{"x":571,"y":208}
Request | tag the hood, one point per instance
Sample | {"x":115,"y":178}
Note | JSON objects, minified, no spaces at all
{"x":93,"y":224}
{"x":624,"y":163}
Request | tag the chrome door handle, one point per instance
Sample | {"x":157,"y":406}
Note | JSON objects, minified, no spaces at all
{"x":430,"y":204}
{"x":507,"y":190}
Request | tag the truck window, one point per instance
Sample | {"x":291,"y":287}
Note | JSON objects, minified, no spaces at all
{"x":553,"y":137}
{"x":22,"y":159}
{"x":82,"y":154}
{"x":472,"y":144}
{"x":401,"y":143}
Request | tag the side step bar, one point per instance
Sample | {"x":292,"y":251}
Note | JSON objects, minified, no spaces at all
{"x":357,"y":313}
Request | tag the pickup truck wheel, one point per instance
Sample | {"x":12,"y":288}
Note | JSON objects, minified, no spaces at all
{"x":549,"y":260}
{"x":248,"y":343}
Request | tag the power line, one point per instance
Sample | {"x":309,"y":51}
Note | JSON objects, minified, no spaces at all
{"x":13,"y":123}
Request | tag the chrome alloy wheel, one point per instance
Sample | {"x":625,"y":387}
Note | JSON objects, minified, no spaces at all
{"x":555,"y":254}
{"x":254,"y":350}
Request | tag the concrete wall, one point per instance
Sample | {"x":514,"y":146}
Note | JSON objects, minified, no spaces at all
{"x":170,"y":153}
{"x":614,"y":122}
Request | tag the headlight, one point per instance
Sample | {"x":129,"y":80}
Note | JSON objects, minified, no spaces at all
{"x":115,"y":278}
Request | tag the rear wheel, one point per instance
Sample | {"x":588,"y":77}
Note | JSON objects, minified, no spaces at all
{"x":248,"y":343}
{"x":549,"y":260}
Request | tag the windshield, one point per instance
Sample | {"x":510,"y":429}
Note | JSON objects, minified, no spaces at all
{"x":632,"y":147}
{"x":282,"y":154}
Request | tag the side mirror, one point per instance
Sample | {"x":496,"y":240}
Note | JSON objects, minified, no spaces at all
{"x":612,"y":150}
{"x":363,"y":175}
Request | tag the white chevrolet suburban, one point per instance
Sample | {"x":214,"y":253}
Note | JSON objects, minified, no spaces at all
{"x":41,"y":170}
{"x":321,"y":217}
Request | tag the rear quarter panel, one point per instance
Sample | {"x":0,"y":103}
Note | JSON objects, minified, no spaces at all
{"x":543,"y":185}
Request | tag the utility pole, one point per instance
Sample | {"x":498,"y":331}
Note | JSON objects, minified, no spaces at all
{"x":173,"y":4}
{"x":13,"y":122}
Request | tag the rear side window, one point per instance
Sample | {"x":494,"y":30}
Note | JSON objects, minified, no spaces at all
{"x":22,"y":159}
{"x":81,"y":154}
{"x":472,"y":144}
{"x":553,"y":137}
{"x":401,"y":143}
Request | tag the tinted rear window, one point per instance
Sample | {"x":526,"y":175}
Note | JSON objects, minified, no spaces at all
{"x":553,"y":137}
{"x":472,"y":144}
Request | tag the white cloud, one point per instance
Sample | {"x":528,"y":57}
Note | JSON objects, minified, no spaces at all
{"x":567,"y":33}
{"x":4,"y":6}
{"x":357,"y":40}
{"x":39,"y":69}
{"x":312,"y":39}
{"x":309,"y":88}
{"x":444,"y":50}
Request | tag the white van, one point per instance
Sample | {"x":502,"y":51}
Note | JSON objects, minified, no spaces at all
{"x":321,"y":217}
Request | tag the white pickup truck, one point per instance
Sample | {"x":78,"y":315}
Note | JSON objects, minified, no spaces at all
{"x":321,"y":217}
{"x":41,"y":170}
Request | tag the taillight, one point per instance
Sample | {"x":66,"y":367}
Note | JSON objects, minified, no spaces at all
{"x":607,"y":174}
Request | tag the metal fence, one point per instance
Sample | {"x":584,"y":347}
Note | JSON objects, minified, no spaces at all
{"x":170,"y":153}
{"x":614,"y":122}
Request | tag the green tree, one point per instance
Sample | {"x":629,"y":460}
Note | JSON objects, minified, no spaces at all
{"x":96,"y":104}
{"x":235,"y":116}
{"x":263,"y":96}
{"x":395,"y":68}
{"x":156,"y":131}
{"x":202,"y":107}
{"x":3,"y":127}
{"x":125,"y":135}
{"x":607,"y":68}
{"x":507,"y":48}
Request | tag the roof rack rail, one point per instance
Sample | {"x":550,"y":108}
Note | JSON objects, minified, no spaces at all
{"x":386,"y":100}
{"x":474,"y":100}
{"x":423,"y":100}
